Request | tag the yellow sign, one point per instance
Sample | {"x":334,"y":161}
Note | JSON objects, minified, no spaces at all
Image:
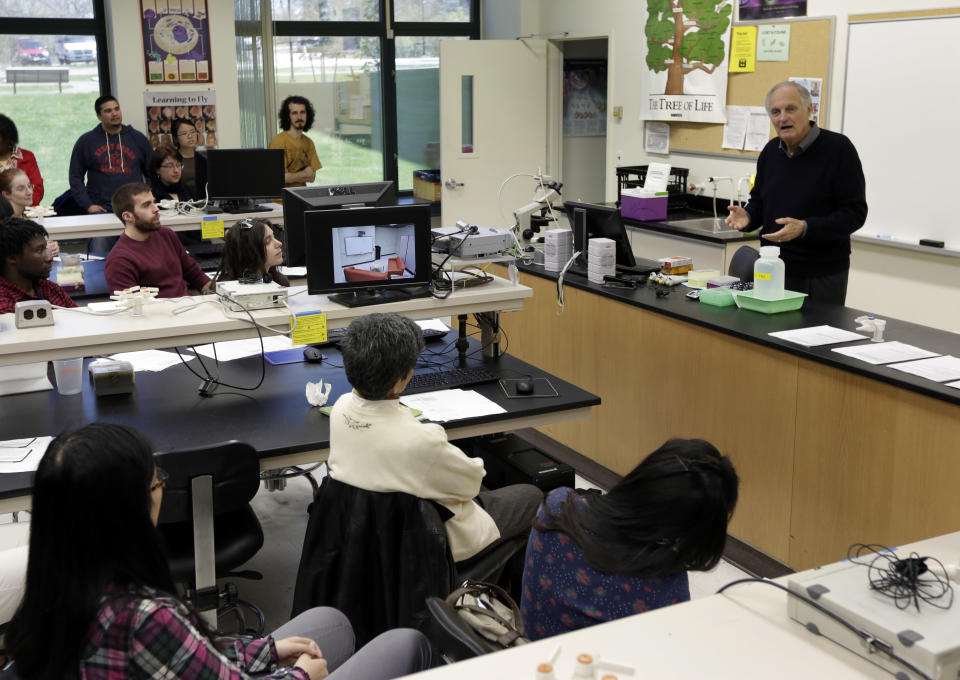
{"x":211,"y":227}
{"x":743,"y":49}
{"x":311,"y":327}
{"x":760,"y":276}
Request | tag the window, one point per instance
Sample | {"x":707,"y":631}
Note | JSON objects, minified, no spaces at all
{"x":61,"y":43}
{"x":373,"y":82}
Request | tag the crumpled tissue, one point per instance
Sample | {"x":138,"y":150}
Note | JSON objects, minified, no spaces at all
{"x":318,"y":393}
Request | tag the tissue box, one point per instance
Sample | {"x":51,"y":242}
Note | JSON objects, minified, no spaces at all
{"x":645,"y":208}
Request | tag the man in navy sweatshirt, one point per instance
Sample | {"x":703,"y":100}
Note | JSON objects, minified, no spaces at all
{"x":808,"y":197}
{"x":110,"y":155}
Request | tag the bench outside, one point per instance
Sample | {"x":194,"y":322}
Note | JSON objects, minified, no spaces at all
{"x":26,"y":74}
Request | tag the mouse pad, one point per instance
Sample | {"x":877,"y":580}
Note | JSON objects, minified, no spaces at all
{"x":286,"y":356}
{"x":541,"y":388}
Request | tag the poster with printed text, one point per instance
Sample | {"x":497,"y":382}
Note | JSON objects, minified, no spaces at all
{"x":200,"y":108}
{"x":176,"y":41}
{"x":687,"y":52}
{"x":584,"y":97}
{"x":772,"y":9}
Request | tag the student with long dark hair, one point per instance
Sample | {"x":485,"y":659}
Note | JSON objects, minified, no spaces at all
{"x":251,"y":251}
{"x":595,"y":558}
{"x":99,"y":600}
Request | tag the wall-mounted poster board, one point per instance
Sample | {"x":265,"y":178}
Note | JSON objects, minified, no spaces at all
{"x":811,"y":54}
{"x":895,"y":105}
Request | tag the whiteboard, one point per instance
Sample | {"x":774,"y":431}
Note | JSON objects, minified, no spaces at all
{"x":900,"y":108}
{"x":358,"y":245}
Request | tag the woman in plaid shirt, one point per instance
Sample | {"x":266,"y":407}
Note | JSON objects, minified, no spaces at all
{"x":99,"y":599}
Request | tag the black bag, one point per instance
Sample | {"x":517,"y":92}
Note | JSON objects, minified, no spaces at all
{"x":490,"y":612}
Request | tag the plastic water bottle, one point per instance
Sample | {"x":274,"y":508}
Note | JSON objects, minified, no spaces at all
{"x":768,"y":274}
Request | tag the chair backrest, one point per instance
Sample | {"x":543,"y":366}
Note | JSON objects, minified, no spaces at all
{"x":234,"y":467}
{"x":374,"y":556}
{"x":741,"y":264}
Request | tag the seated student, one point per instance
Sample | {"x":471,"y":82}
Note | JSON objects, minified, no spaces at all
{"x":15,"y":187}
{"x":378,"y":445}
{"x":114,"y":612}
{"x":251,"y":250}
{"x":593,"y":558}
{"x":166,"y":175}
{"x":25,"y":264}
{"x":147,"y":254}
{"x":185,"y":139}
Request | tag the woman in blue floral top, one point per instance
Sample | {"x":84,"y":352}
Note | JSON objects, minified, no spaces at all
{"x":99,"y":600}
{"x":593,"y":558}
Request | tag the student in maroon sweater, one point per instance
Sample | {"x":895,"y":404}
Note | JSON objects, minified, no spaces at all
{"x":809,"y":196}
{"x":148,"y":254}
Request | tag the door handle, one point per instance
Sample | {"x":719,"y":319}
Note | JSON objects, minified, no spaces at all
{"x":452,"y":184}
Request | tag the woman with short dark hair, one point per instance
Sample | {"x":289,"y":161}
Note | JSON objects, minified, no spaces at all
{"x":596,"y":558}
{"x":185,"y":140}
{"x":166,"y":175}
{"x":251,"y":252}
{"x":100,"y":603}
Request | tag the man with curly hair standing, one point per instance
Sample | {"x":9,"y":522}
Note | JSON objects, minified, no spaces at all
{"x":299,"y":154}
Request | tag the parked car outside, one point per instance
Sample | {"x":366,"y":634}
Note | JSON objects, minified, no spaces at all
{"x":73,"y":48}
{"x":28,"y":52}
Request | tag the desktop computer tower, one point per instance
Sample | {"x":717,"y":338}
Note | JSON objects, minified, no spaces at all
{"x":509,"y":459}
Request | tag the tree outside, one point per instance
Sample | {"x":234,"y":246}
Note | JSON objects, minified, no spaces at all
{"x":686,"y":35}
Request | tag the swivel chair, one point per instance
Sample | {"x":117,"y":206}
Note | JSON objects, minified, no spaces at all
{"x":208,"y":526}
{"x":741,"y":264}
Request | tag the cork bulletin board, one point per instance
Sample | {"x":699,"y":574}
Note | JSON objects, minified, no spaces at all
{"x":811,"y":55}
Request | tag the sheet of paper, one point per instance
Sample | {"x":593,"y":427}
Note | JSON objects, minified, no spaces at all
{"x":773,"y":42}
{"x":456,"y":404}
{"x":658,"y":174}
{"x":954,"y":384}
{"x":815,"y":336}
{"x":885,"y":352}
{"x":735,"y":129}
{"x":743,"y":49}
{"x":237,"y":349}
{"x":758,"y":129}
{"x":293,"y":271}
{"x":152,"y":359}
{"x":22,"y":455}
{"x":112,"y":306}
{"x":433,"y":325}
{"x":657,"y":137}
{"x":939,"y":369}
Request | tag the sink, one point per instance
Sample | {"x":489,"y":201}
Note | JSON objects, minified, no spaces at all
{"x":706,"y":224}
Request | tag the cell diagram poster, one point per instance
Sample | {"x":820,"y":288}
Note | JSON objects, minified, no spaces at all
{"x":176,"y":41}
{"x":684,"y":75}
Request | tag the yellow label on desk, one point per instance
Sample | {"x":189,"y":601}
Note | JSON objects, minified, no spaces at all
{"x":211,"y":227}
{"x":311,"y":327}
{"x":761,"y":276}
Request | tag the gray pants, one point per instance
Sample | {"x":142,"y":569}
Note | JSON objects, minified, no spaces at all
{"x":512,"y":509}
{"x":389,"y":655}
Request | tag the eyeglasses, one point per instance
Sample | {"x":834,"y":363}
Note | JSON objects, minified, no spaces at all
{"x":186,"y":133}
{"x":162,"y":477}
{"x":172,"y":166}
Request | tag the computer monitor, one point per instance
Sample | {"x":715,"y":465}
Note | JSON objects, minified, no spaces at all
{"x":297,"y":200}
{"x":367,"y":256}
{"x":594,"y":221}
{"x":237,"y":178}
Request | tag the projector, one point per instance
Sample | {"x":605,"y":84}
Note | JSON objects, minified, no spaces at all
{"x":927,"y":638}
{"x":482,"y":242}
{"x":244,"y":296}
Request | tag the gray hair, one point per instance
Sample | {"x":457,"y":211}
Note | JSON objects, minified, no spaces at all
{"x":804,"y":93}
{"x":378,"y":350}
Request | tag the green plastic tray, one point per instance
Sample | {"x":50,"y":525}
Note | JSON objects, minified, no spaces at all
{"x":718,"y":297}
{"x":791,"y":301}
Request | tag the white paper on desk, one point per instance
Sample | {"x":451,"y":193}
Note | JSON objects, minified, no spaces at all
{"x":293,"y":271}
{"x":151,"y":359}
{"x":817,"y":335}
{"x":954,"y":384}
{"x":939,"y":369}
{"x":22,"y":455}
{"x":758,"y":129}
{"x":735,"y":129}
{"x":238,"y":349}
{"x":885,"y":352}
{"x":455,"y":404}
{"x":111,"y":306}
{"x":657,"y":138}
{"x":433,"y":325}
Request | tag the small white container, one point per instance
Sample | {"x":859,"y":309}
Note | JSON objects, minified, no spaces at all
{"x":768,"y":274}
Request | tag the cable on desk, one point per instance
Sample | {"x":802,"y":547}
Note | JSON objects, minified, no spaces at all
{"x":563,"y":271}
{"x":906,"y":581}
{"x":873,"y":645}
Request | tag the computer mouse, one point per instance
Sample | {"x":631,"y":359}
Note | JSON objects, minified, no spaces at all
{"x":312,"y":355}
{"x":525,"y":387}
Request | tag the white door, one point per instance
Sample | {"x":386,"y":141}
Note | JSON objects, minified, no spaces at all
{"x":493,"y":123}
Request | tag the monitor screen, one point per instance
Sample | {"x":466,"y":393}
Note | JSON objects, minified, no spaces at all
{"x":240,"y":174}
{"x":362,"y":256}
{"x":595,"y":221}
{"x":297,"y":200}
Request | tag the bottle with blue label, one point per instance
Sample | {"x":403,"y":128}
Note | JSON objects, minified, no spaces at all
{"x":768,"y":274}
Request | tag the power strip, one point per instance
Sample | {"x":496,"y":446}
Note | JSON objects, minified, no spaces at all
{"x":244,"y":296}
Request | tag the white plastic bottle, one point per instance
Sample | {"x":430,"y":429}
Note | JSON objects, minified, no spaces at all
{"x":768,"y":274}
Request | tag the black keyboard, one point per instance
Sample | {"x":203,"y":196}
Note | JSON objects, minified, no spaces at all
{"x":444,"y":380}
{"x":208,"y":264}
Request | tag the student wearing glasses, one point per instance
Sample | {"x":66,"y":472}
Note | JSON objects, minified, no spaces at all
{"x":185,"y":139}
{"x":251,"y":251}
{"x":166,"y":175}
{"x":114,"y":612}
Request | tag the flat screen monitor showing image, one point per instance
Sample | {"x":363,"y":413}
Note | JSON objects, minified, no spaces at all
{"x":365,"y":256}
{"x":237,"y":178}
{"x":298,"y":200}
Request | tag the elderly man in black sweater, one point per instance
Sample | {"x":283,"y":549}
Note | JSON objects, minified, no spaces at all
{"x":809,"y":196}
